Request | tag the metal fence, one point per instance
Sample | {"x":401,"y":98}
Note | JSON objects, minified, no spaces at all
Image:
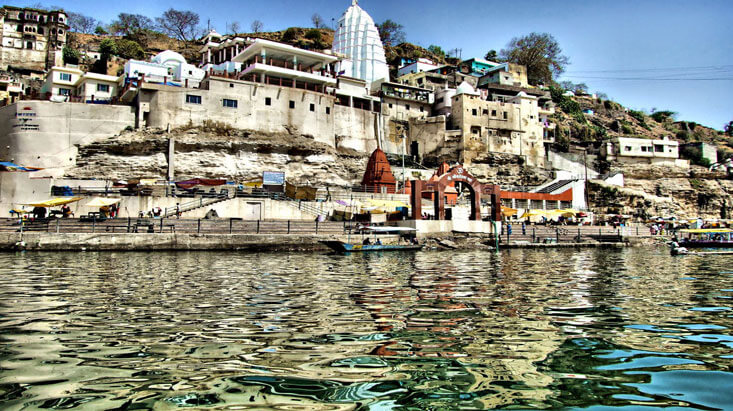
{"x":174,"y":225}
{"x":531,"y":234}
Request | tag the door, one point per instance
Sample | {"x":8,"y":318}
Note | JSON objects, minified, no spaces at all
{"x":253,"y":211}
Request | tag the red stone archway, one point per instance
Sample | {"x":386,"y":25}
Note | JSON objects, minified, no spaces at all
{"x":455,"y":174}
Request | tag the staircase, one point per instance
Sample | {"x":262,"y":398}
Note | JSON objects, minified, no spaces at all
{"x":554,"y":186}
{"x":303,"y":206}
{"x":194,"y":205}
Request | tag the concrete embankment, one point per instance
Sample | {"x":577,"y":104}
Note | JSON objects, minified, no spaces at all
{"x":37,"y":241}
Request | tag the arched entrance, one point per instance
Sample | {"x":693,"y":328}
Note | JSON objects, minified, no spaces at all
{"x":455,"y":174}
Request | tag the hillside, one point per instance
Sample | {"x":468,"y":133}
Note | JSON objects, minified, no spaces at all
{"x":583,"y":123}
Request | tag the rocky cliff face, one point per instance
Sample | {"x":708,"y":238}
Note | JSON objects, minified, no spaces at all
{"x":665,"y":191}
{"x":237,"y":155}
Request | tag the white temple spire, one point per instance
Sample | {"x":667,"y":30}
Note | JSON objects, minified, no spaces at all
{"x":357,"y":37}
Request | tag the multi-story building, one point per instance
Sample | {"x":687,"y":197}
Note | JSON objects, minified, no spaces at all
{"x":630,"y":150}
{"x":74,"y":85}
{"x":32,"y":38}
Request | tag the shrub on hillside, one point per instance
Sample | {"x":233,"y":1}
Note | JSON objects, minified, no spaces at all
{"x":661,"y":116}
{"x":290,"y":34}
{"x":694,"y":154}
{"x":313,"y":34}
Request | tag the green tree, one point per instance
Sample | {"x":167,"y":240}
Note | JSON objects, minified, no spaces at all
{"x":391,"y":33}
{"x":290,"y":34}
{"x":729,"y":129}
{"x":437,"y":50}
{"x":107,"y":48}
{"x":129,"y":49}
{"x":662,"y":115}
{"x":100,"y":31}
{"x":71,"y":56}
{"x":491,"y":55}
{"x":540,"y":53}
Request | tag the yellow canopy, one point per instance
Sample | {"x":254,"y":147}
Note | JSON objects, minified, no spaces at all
{"x":706,"y":230}
{"x":102,"y":202}
{"x":508,"y":211}
{"x":55,"y":202}
{"x":386,"y":203}
{"x":533,"y":213}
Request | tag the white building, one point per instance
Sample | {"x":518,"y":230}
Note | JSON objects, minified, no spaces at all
{"x":422,"y":64}
{"x":357,"y":38}
{"x":167,"y":66}
{"x":93,"y":87}
{"x":61,"y":81}
{"x":643,"y":151}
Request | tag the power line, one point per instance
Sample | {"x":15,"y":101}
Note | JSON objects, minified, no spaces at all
{"x":723,"y":67}
{"x":651,"y":78}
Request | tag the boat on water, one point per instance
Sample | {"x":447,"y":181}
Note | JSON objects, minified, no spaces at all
{"x":706,"y":238}
{"x":376,"y":245}
{"x":343,"y":247}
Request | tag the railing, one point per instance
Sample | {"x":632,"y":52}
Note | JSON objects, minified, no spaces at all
{"x":174,"y":225}
{"x":195,"y":204}
{"x":569,"y":234}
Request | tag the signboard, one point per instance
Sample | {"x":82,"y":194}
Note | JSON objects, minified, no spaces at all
{"x":274,"y":178}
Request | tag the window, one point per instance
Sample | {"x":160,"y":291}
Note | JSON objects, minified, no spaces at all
{"x":485,"y":112}
{"x":19,"y":28}
{"x":643,"y":149}
{"x":627,"y":148}
{"x":407,"y":106}
{"x":474,"y":111}
{"x":440,"y":100}
{"x":29,"y":45}
{"x":291,"y":104}
{"x":40,"y":30}
{"x":506,"y":115}
{"x":103,"y":88}
{"x":493,"y":113}
{"x":229,"y":103}
{"x":422,"y":109}
{"x":231,"y":85}
{"x":328,"y":110}
{"x":193,"y":99}
{"x":61,"y":31}
{"x":268,"y":101}
{"x":65,"y":76}
{"x":390,"y":105}
{"x":659,"y":148}
{"x":313,"y":107}
{"x":64,"y":92}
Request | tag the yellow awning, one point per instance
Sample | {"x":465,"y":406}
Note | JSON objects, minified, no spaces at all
{"x":102,"y":202}
{"x":706,"y":230}
{"x":55,"y":202}
{"x":534,"y":213}
{"x":508,"y":211}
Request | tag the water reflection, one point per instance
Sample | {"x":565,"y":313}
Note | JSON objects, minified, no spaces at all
{"x":522,"y":328}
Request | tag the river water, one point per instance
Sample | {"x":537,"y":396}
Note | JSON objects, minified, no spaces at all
{"x":523,"y":329}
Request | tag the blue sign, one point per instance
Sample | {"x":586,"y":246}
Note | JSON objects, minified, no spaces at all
{"x":273,"y":178}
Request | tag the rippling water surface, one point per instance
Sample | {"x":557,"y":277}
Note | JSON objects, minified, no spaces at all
{"x":429,"y":330}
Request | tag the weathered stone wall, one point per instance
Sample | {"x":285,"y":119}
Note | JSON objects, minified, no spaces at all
{"x":44,"y":134}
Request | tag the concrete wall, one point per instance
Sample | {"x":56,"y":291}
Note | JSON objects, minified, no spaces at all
{"x":18,"y":188}
{"x":572,"y":163}
{"x":44,"y":134}
{"x":312,"y":114}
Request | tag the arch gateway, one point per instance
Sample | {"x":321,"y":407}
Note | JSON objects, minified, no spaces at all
{"x":490,"y":192}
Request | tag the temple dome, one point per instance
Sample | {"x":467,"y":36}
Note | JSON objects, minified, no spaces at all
{"x":357,"y":38}
{"x":378,"y":173}
{"x":465,"y":88}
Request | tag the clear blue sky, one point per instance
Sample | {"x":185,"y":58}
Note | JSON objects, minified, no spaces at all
{"x":606,"y":41}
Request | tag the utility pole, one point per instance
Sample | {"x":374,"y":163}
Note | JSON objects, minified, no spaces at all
{"x":404,"y":149}
{"x":585,"y":165}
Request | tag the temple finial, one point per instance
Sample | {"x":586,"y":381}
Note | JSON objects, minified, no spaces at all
{"x":354,"y":2}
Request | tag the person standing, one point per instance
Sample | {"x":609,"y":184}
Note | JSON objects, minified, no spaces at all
{"x":524,"y":228}
{"x":178,"y":210}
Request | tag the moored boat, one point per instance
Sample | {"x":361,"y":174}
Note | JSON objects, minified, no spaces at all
{"x":706,"y":238}
{"x":343,"y":247}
